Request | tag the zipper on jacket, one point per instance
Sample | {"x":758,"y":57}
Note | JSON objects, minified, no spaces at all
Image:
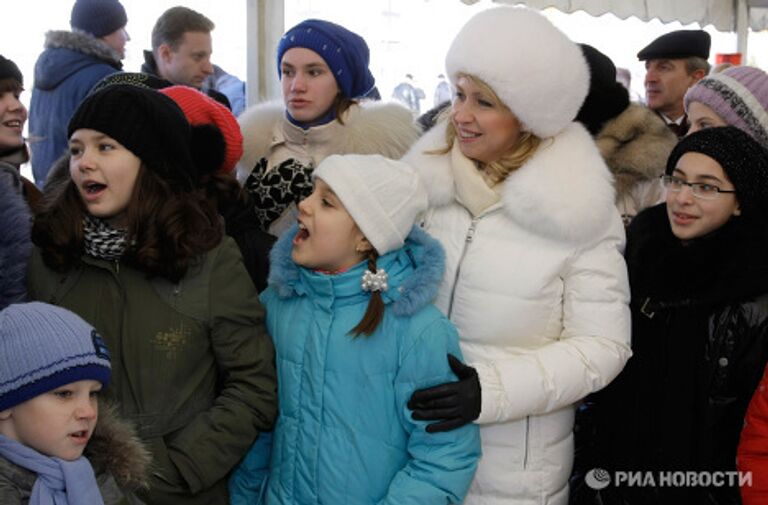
{"x":467,"y":241}
{"x":527,"y":437}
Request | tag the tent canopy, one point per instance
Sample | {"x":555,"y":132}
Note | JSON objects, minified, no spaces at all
{"x":722,"y":14}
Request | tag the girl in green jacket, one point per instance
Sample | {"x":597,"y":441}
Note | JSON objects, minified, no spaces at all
{"x":130,"y":246}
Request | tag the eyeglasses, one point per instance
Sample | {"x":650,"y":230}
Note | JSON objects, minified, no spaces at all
{"x":700,"y":189}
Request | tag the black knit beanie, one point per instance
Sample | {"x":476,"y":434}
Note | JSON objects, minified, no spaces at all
{"x":744,"y":161}
{"x":607,"y":98}
{"x":147,"y":123}
{"x":9,"y":70}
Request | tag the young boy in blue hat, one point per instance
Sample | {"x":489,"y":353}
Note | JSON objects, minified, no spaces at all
{"x":52,"y":367}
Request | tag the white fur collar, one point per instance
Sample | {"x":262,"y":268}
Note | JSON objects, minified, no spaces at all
{"x":564,"y":192}
{"x":370,"y":128}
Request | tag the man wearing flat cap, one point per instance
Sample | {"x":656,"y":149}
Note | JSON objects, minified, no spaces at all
{"x":673,"y":63}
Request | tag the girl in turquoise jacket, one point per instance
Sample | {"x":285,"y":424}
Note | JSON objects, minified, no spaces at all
{"x":348,"y":308}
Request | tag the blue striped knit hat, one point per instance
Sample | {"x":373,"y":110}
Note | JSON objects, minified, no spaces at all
{"x":43,"y":347}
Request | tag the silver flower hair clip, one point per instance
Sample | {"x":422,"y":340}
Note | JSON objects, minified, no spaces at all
{"x":375,"y":281}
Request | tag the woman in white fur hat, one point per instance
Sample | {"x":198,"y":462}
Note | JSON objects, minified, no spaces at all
{"x":535,"y":281}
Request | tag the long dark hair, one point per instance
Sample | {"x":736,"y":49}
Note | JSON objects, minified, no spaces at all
{"x":169,"y":229}
{"x":374,"y":313}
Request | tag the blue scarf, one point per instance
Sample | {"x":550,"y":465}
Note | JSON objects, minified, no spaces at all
{"x":59,"y":482}
{"x":326,"y":118}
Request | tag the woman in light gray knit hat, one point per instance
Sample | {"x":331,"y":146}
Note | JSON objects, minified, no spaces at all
{"x":738,"y":96}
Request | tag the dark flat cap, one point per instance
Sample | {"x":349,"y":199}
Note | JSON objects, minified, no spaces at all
{"x":677,"y":44}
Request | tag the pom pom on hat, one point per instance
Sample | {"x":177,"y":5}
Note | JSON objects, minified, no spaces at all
{"x":739,"y":95}
{"x":607,"y":98}
{"x":44,"y":347}
{"x":544,"y":88}
{"x":345,"y":52}
{"x":383,"y":196}
{"x":98,"y":17}
{"x":201,"y":110}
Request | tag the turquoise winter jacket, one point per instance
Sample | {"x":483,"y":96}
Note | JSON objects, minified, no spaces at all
{"x":344,"y":434}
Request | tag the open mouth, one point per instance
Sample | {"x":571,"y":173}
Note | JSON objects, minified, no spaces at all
{"x":13,"y":123}
{"x":301,"y":235}
{"x":79,"y":436}
{"x":466,"y":135}
{"x":92,"y":188}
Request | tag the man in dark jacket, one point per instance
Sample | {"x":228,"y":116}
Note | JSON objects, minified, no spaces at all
{"x":181,"y":50}
{"x":72,"y":62}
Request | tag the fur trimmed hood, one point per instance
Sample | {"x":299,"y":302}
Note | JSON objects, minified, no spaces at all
{"x":635,"y":145}
{"x":410,"y":289}
{"x":15,"y":243}
{"x":371,"y":128}
{"x":115,"y":449}
{"x":564,"y":192}
{"x":54,"y":66}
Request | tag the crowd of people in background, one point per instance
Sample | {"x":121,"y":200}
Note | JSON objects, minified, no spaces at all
{"x":519,"y":296}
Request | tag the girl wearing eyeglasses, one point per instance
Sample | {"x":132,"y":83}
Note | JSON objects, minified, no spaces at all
{"x":698,"y":270}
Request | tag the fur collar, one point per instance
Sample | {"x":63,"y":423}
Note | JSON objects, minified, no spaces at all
{"x":564,"y":192}
{"x":115,"y":448}
{"x":417,"y":289}
{"x":635,"y":145}
{"x":15,"y":244}
{"x":371,"y":128}
{"x":82,"y":43}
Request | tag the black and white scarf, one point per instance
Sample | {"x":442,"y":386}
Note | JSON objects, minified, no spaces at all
{"x":102,"y":241}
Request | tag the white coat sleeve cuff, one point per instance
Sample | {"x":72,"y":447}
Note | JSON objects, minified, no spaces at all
{"x":491,"y":393}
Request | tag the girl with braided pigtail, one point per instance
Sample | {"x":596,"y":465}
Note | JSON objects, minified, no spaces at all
{"x":375,"y":311}
{"x":349,"y":310}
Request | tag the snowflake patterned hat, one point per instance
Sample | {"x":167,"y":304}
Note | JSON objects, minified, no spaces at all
{"x":44,"y":347}
{"x":344,"y":51}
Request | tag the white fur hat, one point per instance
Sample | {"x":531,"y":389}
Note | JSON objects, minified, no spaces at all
{"x":383,"y":196}
{"x":538,"y":72}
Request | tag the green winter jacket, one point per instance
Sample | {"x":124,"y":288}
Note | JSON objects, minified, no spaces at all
{"x":192,"y":365}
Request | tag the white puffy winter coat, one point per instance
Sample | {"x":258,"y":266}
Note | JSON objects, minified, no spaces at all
{"x":537,"y":286}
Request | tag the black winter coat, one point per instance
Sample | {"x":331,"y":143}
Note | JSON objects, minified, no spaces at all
{"x":700,"y":344}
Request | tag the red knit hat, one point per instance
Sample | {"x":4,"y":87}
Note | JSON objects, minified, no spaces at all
{"x":200,"y":110}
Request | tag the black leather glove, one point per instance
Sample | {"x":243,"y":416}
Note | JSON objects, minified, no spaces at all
{"x":452,"y":404}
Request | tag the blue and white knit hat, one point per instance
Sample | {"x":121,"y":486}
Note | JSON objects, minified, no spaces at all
{"x":43,"y":347}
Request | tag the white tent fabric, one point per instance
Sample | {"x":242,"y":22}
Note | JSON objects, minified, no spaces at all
{"x":722,"y":14}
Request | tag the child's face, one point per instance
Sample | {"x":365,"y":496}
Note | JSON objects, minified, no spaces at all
{"x":691,"y":217}
{"x":13,"y":115}
{"x":328,"y":238}
{"x":104,"y":172}
{"x":57,"y":423}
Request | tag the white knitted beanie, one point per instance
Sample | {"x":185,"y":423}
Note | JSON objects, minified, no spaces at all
{"x":383,"y":196}
{"x":538,"y":72}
